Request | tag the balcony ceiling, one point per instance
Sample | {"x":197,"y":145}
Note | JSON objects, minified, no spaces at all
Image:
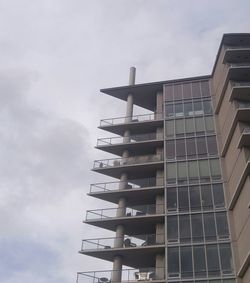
{"x":240,"y":93}
{"x":241,"y":55}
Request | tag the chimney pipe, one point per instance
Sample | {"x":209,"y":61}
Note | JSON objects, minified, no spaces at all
{"x":132,"y":76}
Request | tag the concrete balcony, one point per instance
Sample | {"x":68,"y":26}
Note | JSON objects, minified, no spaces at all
{"x":135,"y":166}
{"x":139,"y":219}
{"x":137,"y":251}
{"x":139,"y":124}
{"x":240,"y":91}
{"x":135,"y":144}
{"x":237,"y":54}
{"x":133,"y":190}
{"x":245,"y":138}
{"x":128,"y":275}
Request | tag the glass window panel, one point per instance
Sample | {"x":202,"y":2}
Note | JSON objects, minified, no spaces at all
{"x":186,"y":262}
{"x":209,"y":227}
{"x":177,"y":92}
{"x":193,"y":172}
{"x":187,"y":91}
{"x":185,"y":231}
{"x":179,"y":126}
{"x":206,"y":197}
{"x":212,"y":145}
{"x":198,"y":108}
{"x":195,"y":199}
{"x":204,"y":168}
{"x":199,"y":261}
{"x":169,"y":108}
{"x":188,"y":108}
{"x":170,"y":128}
{"x":171,"y":199}
{"x":205,"y":88}
{"x":218,"y":194}
{"x":226,"y":258}
{"x":179,"y":110}
{"x":191,"y":148}
{"x":183,"y":198}
{"x":171,"y":172}
{"x":173,"y":262}
{"x":215,"y":169}
{"x":170,"y":149}
{"x":199,"y":124}
{"x":201,"y":146}
{"x":207,"y":106}
{"x":182,"y":172}
{"x":169,"y":92}
{"x":212,"y":260}
{"x":180,"y":148}
{"x":196,"y":91}
{"x":209,"y":122}
{"x":197,"y":228}
{"x":189,"y":124}
{"x":172,"y":228}
{"x":222,"y":225}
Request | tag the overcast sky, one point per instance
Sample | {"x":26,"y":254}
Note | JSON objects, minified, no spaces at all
{"x":55,"y":55}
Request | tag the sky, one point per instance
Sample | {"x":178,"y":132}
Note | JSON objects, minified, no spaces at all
{"x":55,"y":56}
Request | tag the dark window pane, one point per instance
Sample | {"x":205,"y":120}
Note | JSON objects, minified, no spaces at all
{"x":226,"y":258}
{"x":212,"y":145}
{"x":170,"y":149}
{"x":206,"y":196}
{"x":207,"y":106}
{"x":169,"y":108}
{"x":199,"y":124}
{"x":180,"y":148}
{"x":222,"y":226}
{"x":197,"y":228}
{"x":169,"y":92}
{"x":179,"y":110}
{"x":186,"y":262}
{"x":172,"y":229}
{"x":171,"y":172}
{"x":209,"y":226}
{"x":196,"y":91}
{"x":189,"y":126}
{"x":218,"y":195}
{"x":170,"y":128}
{"x":185,"y":233}
{"x":173,"y":262}
{"x":195,"y":200}
{"x":205,"y":88}
{"x":191,"y":149}
{"x":187,"y":91}
{"x":199,"y":261}
{"x":177,"y":92}
{"x":215,"y":169}
{"x":193,"y":172}
{"x":171,"y":199}
{"x":179,"y":127}
{"x":198,"y":108}
{"x":212,"y":260}
{"x":182,"y":172}
{"x":183,"y":199}
{"x":188,"y":109}
{"x":209,"y":122}
{"x":201,"y":146}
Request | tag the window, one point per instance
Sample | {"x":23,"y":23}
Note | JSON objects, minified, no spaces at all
{"x":209,"y":226}
{"x":189,"y":124}
{"x":179,"y":127}
{"x":177,"y":92}
{"x":172,"y":228}
{"x":218,"y":195}
{"x":209,"y":122}
{"x":183,"y":198}
{"x":204,"y":170}
{"x":169,"y":108}
{"x":222,"y":226}
{"x":188,"y":108}
{"x":180,"y":148}
{"x":191,"y":149}
{"x":193,"y":171}
{"x":186,"y":262}
{"x":171,"y":172}
{"x":198,"y":110}
{"x":196,"y":91}
{"x":170,"y":149}
{"x":207,"y":107}
{"x":201,"y":146}
{"x":212,"y":260}
{"x":197,"y":228}
{"x":170,"y":128}
{"x":171,"y":199}
{"x":212,"y":145}
{"x":185,"y":233}
{"x":226,"y":258}
{"x":179,"y":110}
{"x":199,"y":261}
{"x":195,"y":200}
{"x":173,"y":262}
{"x":169,"y":92}
{"x":206,"y":197}
{"x":199,"y":124}
{"x":182,"y":172}
{"x":187,"y":91}
{"x":205,"y":88}
{"x":215,"y":169}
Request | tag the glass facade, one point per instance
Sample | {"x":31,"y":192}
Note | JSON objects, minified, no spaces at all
{"x":198,"y":240}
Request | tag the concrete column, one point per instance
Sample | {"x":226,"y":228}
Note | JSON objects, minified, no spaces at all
{"x":160,"y":233}
{"x":159,"y":204}
{"x":132,"y":73}
{"x":160,"y":266}
{"x":117,"y":269}
{"x":129,"y":109}
{"x":119,"y":236}
{"x":159,"y":178}
{"x":123,"y":181}
{"x":121,"y":210}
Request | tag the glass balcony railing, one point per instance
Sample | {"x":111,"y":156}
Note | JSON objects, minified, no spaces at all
{"x":139,"y":210}
{"x":241,"y":84}
{"x":130,"y":139}
{"x":244,"y":105}
{"x":127,"y":275}
{"x":133,"y":160}
{"x":246,"y":64}
{"x":237,"y":47}
{"x":131,"y":184}
{"x":133,"y":119}
{"x":128,"y":242}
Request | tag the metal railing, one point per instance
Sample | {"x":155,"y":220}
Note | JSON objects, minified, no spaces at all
{"x":127,"y":275}
{"x":133,"y":119}
{"x":139,"y":210}
{"x":128,"y":242}
{"x":130,"y":139}
{"x":117,"y":162}
{"x":130,"y":184}
{"x":247,"y":64}
{"x":240,"y":84}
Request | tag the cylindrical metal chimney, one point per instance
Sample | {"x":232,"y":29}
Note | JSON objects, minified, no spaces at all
{"x":132,"y":76}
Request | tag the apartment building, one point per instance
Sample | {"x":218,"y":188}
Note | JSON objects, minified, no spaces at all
{"x":181,"y":192}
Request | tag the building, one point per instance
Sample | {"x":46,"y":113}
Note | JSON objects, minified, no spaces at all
{"x":182,"y":186}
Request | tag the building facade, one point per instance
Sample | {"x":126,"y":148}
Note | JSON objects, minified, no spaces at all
{"x":181,"y":185}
